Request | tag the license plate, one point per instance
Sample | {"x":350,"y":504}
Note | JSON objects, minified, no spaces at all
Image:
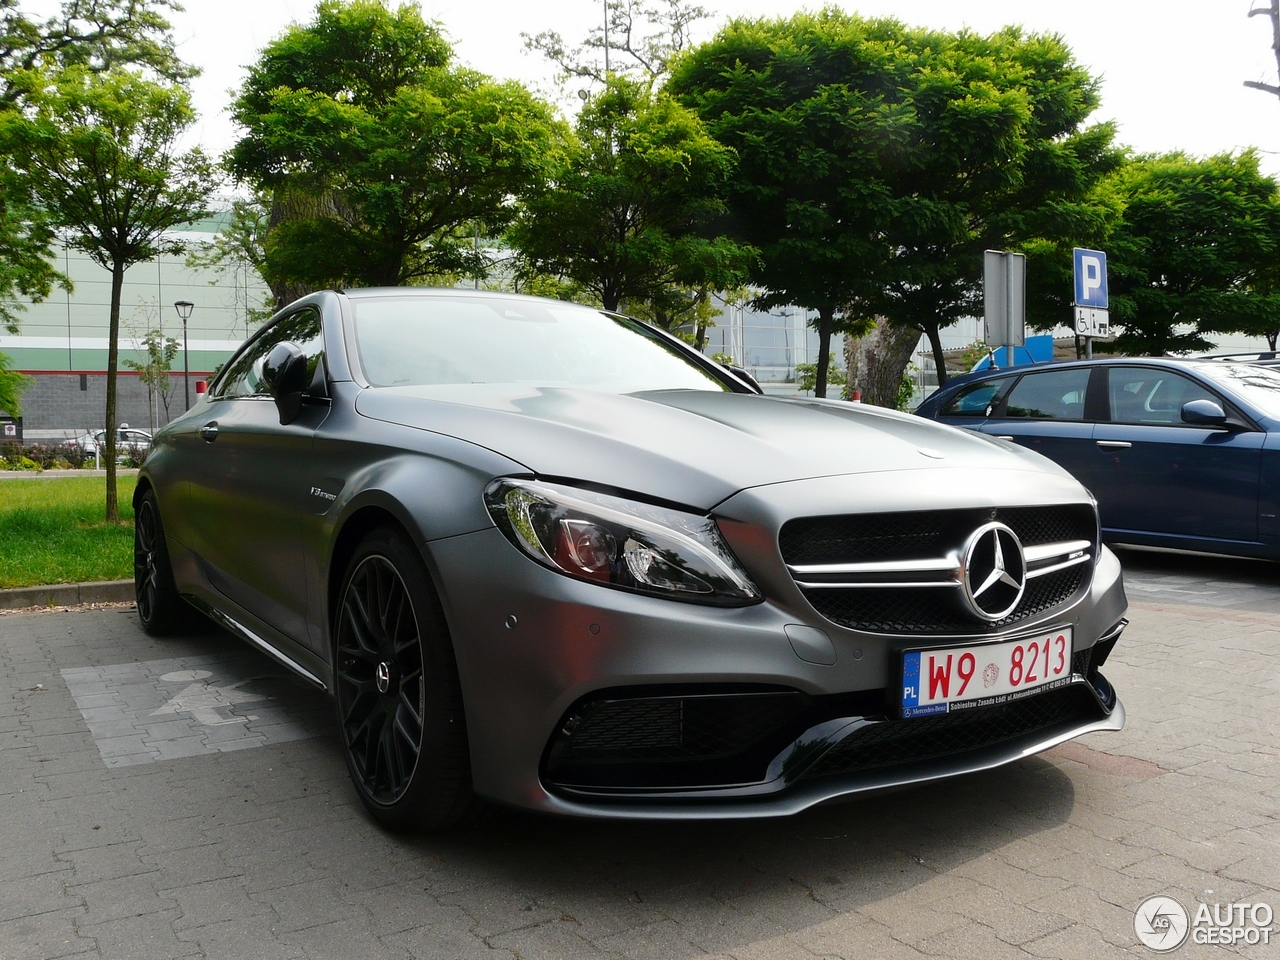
{"x":963,"y":678}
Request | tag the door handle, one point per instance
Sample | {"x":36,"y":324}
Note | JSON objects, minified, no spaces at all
{"x":210,"y":431}
{"x":1114,"y":444}
{"x":1003,"y":437}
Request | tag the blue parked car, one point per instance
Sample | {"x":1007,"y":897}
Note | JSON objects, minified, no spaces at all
{"x":1178,"y":453}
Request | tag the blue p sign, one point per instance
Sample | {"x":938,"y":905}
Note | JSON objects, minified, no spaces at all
{"x":1091,"y":278}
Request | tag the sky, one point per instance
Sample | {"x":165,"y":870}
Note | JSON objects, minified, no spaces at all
{"x":1172,"y":71}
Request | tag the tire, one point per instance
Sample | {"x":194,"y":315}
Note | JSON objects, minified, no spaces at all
{"x":396,"y":689}
{"x":161,"y":609}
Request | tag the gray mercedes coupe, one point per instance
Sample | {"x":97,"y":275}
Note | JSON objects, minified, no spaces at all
{"x":552,"y":557}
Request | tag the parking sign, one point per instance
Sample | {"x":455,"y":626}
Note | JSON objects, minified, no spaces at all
{"x":1091,"y":278}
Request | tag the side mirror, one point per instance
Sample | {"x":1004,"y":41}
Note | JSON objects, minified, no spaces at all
{"x":1203,"y":413}
{"x":284,"y":372}
{"x":742,"y":374}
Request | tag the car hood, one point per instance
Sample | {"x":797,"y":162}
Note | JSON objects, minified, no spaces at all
{"x":687,"y":446}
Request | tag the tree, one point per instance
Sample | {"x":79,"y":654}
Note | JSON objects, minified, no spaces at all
{"x":389,"y":158}
{"x":93,"y":34}
{"x":238,"y":250}
{"x":12,"y":384}
{"x":101,"y":152}
{"x":1272,"y":11}
{"x":879,"y":160}
{"x":643,"y":39}
{"x":154,"y":371}
{"x":874,"y":362}
{"x":625,"y":215}
{"x":1194,"y":251}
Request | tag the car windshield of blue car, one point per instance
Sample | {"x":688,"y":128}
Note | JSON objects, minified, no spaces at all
{"x":1259,"y":386}
{"x":418,"y":341}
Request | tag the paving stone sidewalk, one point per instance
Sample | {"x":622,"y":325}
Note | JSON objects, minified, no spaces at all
{"x":184,"y":799}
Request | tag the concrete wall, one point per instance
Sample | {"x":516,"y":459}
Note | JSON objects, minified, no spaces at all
{"x":58,"y":404}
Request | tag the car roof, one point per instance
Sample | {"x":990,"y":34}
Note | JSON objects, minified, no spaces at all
{"x":1171,"y":362}
{"x":452,"y":293}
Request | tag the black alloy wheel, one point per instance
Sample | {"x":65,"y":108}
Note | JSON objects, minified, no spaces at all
{"x":160,"y":607}
{"x":396,"y":684}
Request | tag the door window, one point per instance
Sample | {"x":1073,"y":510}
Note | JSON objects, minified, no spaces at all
{"x":977,"y":399}
{"x":1149,"y":395}
{"x":244,"y":377}
{"x":1051,"y":395}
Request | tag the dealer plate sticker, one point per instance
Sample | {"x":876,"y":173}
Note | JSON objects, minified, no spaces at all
{"x":962,"y":678}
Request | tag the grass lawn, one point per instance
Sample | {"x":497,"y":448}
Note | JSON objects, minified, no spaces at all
{"x":52,"y":531}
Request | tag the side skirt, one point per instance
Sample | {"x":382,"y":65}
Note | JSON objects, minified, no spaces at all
{"x":229,"y":623}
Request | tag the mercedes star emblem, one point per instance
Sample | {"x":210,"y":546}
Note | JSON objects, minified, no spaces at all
{"x":383,"y":676}
{"x":995,"y":571}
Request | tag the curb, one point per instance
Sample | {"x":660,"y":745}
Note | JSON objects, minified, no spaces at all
{"x":67,"y":594}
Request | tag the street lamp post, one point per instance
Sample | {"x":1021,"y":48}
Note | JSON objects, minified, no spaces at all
{"x":184,"y":308}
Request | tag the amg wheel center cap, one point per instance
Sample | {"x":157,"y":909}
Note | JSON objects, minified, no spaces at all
{"x":995,"y":571}
{"x":382,"y":675}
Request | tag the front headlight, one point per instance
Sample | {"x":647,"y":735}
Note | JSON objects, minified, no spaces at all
{"x":620,"y":543}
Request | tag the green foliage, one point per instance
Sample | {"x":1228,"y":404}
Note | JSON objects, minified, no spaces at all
{"x":1195,"y":251}
{"x":12,"y":383}
{"x":724,"y":358}
{"x":91,"y":34}
{"x":96,"y":35}
{"x":974,"y":353}
{"x":154,"y":371}
{"x":401,"y":155}
{"x":807,"y":376}
{"x":26,"y":267}
{"x":51,"y":531}
{"x":100,"y":151}
{"x":238,"y":249}
{"x":878,"y":160}
{"x":906,"y":388}
{"x":626,"y":214}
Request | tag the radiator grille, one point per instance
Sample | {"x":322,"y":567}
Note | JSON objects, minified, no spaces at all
{"x":925,"y":610}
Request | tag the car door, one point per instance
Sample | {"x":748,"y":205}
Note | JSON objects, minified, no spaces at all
{"x":1046,"y":411}
{"x":1160,"y":475}
{"x":249,"y":487}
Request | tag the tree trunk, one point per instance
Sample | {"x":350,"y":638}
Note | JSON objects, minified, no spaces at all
{"x":877,"y":361}
{"x":826,"y":323}
{"x":935,"y":345}
{"x":285,"y":208}
{"x":113,"y":359}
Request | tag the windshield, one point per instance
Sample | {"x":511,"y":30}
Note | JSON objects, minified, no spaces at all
{"x":1258,"y":385}
{"x":416,"y":341}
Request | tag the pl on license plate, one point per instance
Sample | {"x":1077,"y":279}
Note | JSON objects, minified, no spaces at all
{"x":961,"y":678}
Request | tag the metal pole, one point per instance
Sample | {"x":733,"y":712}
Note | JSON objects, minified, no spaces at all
{"x":186,"y":365}
{"x":606,"y":39}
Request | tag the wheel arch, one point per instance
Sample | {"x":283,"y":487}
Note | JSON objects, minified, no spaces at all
{"x":140,"y":491}
{"x":355,"y":527}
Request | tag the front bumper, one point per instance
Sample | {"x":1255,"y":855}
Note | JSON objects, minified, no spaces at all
{"x":533,"y":647}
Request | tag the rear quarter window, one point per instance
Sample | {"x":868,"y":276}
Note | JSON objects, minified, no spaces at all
{"x":977,"y":399}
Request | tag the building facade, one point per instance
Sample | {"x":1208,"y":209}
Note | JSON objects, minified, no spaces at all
{"x":62,"y":342}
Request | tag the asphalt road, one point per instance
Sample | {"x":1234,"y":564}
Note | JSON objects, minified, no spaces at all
{"x":185,"y":798}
